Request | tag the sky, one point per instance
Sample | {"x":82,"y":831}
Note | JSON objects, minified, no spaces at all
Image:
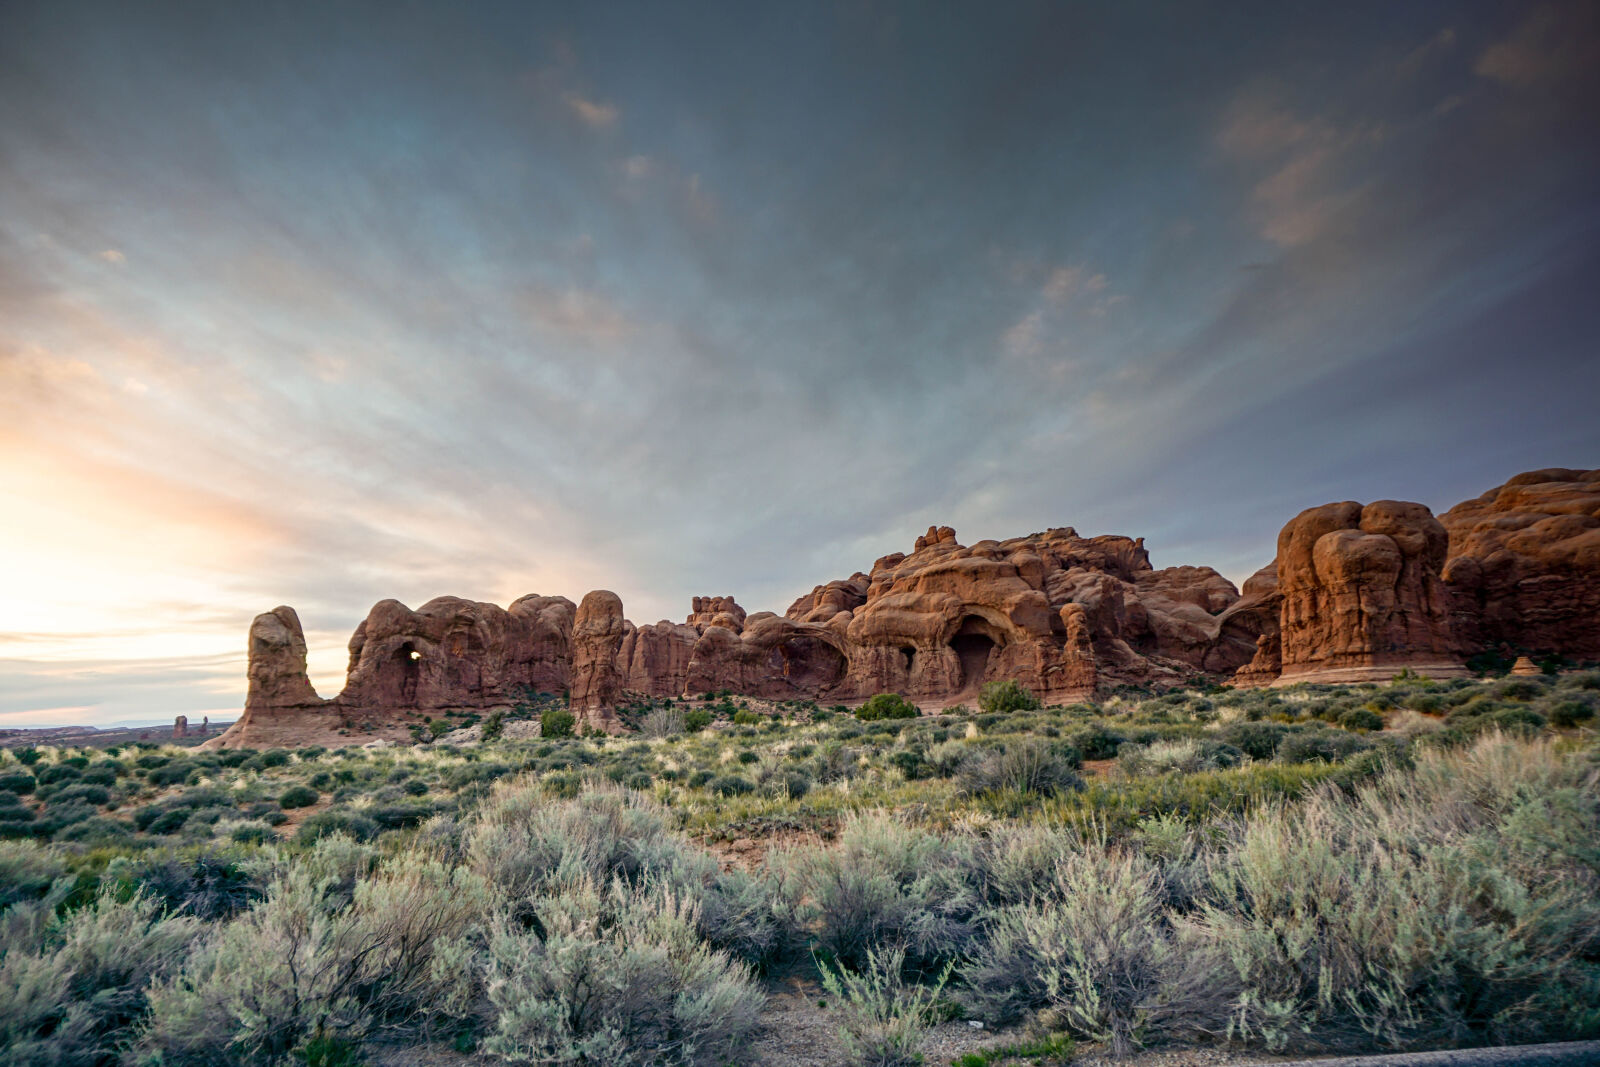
{"x":320,"y":304}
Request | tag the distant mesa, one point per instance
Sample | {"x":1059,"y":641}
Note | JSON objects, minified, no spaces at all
{"x":1356,"y":593}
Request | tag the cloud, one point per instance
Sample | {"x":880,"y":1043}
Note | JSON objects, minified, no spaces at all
{"x":112,"y":255}
{"x":593,"y":113}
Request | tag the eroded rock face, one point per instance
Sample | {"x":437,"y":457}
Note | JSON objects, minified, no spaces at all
{"x":1524,"y":565}
{"x":1362,"y":596}
{"x":598,"y":633}
{"x":453,"y":653}
{"x":277,"y":663}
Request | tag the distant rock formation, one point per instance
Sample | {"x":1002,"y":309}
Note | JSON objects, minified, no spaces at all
{"x":1355,"y":593}
{"x":1524,"y":565}
{"x":180,"y":727}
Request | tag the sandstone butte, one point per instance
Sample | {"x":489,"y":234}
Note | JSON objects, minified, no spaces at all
{"x":1355,"y":593}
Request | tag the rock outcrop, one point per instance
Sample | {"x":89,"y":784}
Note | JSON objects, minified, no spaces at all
{"x":1524,"y":565}
{"x":1355,"y":593}
{"x":1362,"y":597}
{"x":597,"y":638}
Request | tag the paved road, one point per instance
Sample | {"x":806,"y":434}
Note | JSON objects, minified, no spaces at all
{"x":1565,"y":1054}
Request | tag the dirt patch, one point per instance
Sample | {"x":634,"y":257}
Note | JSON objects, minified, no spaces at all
{"x":1098,"y":768}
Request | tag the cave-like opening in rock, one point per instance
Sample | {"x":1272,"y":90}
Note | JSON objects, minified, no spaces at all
{"x":972,"y":645}
{"x":810,"y":663}
{"x":409,"y":661}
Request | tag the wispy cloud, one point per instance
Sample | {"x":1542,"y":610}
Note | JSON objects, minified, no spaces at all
{"x":592,"y":112}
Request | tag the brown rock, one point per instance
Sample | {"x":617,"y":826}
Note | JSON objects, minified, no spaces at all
{"x":1362,"y":596}
{"x":280,"y":703}
{"x":454,"y":654}
{"x":1524,"y":564}
{"x":1525,"y":666}
{"x":597,"y":636}
{"x":180,"y":727}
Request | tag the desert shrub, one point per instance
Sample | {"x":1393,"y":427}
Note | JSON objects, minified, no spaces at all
{"x":1097,"y":949}
{"x":1449,"y":904}
{"x":1095,"y":741}
{"x":1362,"y":719}
{"x":748,"y":756}
{"x":82,"y":792}
{"x":662,"y":722}
{"x":696,"y":719}
{"x":414,"y":787}
{"x":102,"y":773}
{"x":615,"y":975}
{"x":1320,"y":744}
{"x":316,"y":960}
{"x":345,"y":821}
{"x":1519,"y":689}
{"x":1568,"y":713}
{"x":732,"y":785}
{"x":274,"y":757}
{"x":298,"y":796}
{"x":1258,"y":740}
{"x":58,"y":773}
{"x":175,"y":810}
{"x":882,"y":1018}
{"x":95,"y":830}
{"x":886,"y":706}
{"x":208,"y":885}
{"x":556,"y":722}
{"x":252,"y":834}
{"x":70,"y":997}
{"x":999,"y":698}
{"x":26,"y":871}
{"x":1015,"y":862}
{"x":883,"y":883}
{"x":746,"y":717}
{"x":1186,"y":756}
{"x":17,"y":782}
{"x":700,"y":778}
{"x":27,"y":756}
{"x":1027,"y":766}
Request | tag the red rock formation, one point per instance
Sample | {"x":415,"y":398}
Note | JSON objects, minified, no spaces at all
{"x":1524,"y":565}
{"x":180,"y":727}
{"x":1362,"y":596}
{"x":597,"y":637}
{"x":281,"y":704}
{"x":455,"y":654}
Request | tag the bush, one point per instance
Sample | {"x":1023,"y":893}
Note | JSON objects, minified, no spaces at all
{"x":696,"y":720}
{"x":616,"y":976}
{"x":18,"y":782}
{"x":731,"y":785}
{"x":882,"y":1018}
{"x":1568,"y":713}
{"x":70,"y":996}
{"x":1096,"y":948}
{"x":298,"y":796}
{"x":999,"y":698}
{"x":556,"y":722}
{"x":1361,"y":719}
{"x":324,"y":957}
{"x":1096,"y":742}
{"x":1028,"y":766}
{"x":209,"y":886}
{"x":887,"y":706}
{"x":746,"y":717}
{"x":883,"y":883}
{"x":337,"y":821}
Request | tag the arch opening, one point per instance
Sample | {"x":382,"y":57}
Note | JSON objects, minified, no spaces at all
{"x":409,"y":661}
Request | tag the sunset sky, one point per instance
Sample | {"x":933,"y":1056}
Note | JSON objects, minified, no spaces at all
{"x":320,"y":304}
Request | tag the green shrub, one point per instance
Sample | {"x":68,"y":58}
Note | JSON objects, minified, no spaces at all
{"x":887,"y":706}
{"x":298,"y":796}
{"x":696,"y":719}
{"x":999,"y":698}
{"x":882,"y":1018}
{"x":1025,"y":766}
{"x":1568,"y":713}
{"x":616,"y":976}
{"x":1361,"y":719}
{"x":18,"y":782}
{"x":337,"y":821}
{"x":731,"y":785}
{"x":556,"y":722}
{"x":746,"y":717}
